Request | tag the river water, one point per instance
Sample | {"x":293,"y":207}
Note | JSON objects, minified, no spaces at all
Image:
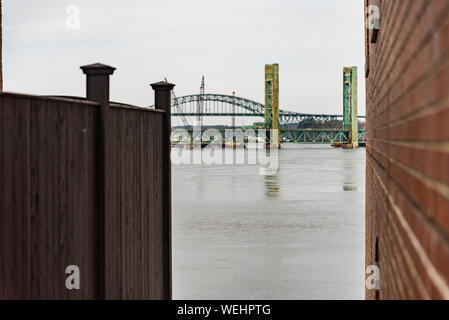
{"x":294,"y":234}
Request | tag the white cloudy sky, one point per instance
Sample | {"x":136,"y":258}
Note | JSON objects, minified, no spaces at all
{"x":228,"y":42}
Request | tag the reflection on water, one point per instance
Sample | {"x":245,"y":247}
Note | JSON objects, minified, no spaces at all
{"x":240,"y":232}
{"x":272,"y":186}
{"x":350,"y":181}
{"x":349,"y":188}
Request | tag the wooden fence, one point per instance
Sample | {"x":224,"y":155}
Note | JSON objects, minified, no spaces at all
{"x":85,"y":183}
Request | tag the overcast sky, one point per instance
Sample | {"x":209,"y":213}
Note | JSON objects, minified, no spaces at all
{"x":228,"y":42}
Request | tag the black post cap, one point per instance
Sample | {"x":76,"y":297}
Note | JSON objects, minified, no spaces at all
{"x":98,"y":68}
{"x":162,"y":86}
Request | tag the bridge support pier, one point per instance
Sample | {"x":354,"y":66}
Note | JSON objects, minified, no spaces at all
{"x":350,"y":103}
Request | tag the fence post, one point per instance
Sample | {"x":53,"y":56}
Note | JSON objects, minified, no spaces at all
{"x":97,"y":86}
{"x":162,"y":101}
{"x":97,"y":89}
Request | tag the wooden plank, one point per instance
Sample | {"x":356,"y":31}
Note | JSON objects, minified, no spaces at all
{"x":20,"y":188}
{"x":113,"y":204}
{"x":34,"y":201}
{"x":151,"y":207}
{"x":159,"y":212}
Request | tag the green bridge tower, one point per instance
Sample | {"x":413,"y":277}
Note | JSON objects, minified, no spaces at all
{"x":350,"y":116}
{"x":272,"y":102}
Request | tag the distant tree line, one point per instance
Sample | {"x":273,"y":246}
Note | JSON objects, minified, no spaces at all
{"x":304,"y":124}
{"x":315,"y":124}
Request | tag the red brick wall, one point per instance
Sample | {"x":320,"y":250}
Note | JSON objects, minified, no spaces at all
{"x":407,"y":191}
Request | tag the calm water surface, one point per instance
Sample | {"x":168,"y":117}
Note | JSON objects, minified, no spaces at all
{"x":298,"y":234}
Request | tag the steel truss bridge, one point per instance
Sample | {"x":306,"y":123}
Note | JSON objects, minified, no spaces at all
{"x":303,"y":136}
{"x":319,"y":136}
{"x":219,"y":105}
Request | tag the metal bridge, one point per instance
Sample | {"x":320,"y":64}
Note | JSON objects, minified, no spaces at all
{"x":291,"y":126}
{"x":220,"y":105}
{"x":302,"y":136}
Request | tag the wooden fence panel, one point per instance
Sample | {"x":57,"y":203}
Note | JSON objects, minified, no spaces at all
{"x":51,"y":201}
{"x":48,"y":201}
{"x":134,"y":206}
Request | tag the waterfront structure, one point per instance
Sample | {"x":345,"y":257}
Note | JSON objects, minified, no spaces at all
{"x":350,"y":102}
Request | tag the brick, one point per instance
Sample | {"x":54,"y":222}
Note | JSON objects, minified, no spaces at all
{"x":407,"y":173}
